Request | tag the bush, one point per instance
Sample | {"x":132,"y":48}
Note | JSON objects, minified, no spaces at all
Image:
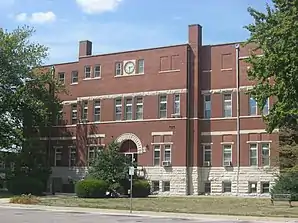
{"x":287,"y":183}
{"x":91,"y":188}
{"x":25,"y":185}
{"x":141,"y":188}
{"x":24,"y":199}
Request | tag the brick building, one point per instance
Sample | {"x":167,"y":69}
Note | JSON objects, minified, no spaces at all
{"x":172,"y":108}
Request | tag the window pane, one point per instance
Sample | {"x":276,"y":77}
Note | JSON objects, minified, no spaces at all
{"x":252,"y":107}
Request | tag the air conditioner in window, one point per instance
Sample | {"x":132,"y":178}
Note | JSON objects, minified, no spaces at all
{"x":207,"y":163}
{"x":175,"y":115}
{"x":166,"y":163}
{"x":227,"y":163}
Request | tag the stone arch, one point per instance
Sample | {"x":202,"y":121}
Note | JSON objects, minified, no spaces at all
{"x":132,"y":137}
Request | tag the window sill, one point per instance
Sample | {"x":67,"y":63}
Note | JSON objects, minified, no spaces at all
{"x":169,"y":71}
{"x":128,"y":75}
{"x":226,"y":69}
{"x":74,"y":83}
{"x":90,"y":79}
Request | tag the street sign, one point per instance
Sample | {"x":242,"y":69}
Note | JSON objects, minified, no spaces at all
{"x":131,"y":171}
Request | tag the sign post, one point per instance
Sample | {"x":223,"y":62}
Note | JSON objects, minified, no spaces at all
{"x":131,"y":173}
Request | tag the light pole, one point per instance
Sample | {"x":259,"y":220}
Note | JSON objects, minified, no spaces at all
{"x":237,"y":47}
{"x":52,"y":186}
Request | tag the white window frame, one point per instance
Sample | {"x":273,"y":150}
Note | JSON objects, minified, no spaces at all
{"x":85,"y":110}
{"x":118,"y":106}
{"x":156,"y":148}
{"x":227,"y":104}
{"x":160,"y":102}
{"x":96,"y":117}
{"x":128,"y":104}
{"x":224,"y":184}
{"x":262,"y":187}
{"x":205,"y":106}
{"x":158,"y":184}
{"x":167,"y":148}
{"x":74,"y":77}
{"x":266,"y":148}
{"x":59,"y":117}
{"x":266,"y":108}
{"x":225,"y":149}
{"x":251,"y":148}
{"x":177,"y":104}
{"x":74,"y":114}
{"x":254,"y":109}
{"x":92,"y":149}
{"x":72,"y":150}
{"x":139,"y":103}
{"x":164,"y":186}
{"x":97,"y":73}
{"x":210,"y":187}
{"x":88,"y":74}
{"x":251,"y":187}
{"x":57,"y":151}
{"x":204,"y":152}
{"x":61,"y":80}
{"x":118,"y":68}
{"x":142,"y":65}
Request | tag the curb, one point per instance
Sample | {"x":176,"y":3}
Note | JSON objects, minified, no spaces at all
{"x":144,"y":213}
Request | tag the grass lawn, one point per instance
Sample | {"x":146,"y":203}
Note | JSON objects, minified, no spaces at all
{"x":194,"y":205}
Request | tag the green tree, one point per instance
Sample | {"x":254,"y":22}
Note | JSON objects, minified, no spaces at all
{"x":275,"y":32}
{"x":28,"y":101}
{"x":111,"y":166}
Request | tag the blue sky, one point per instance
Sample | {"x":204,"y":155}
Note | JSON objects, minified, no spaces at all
{"x":117,"y":25}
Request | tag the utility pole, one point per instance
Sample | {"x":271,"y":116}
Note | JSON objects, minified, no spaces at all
{"x":237,"y":47}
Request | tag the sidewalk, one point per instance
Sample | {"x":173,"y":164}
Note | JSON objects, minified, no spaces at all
{"x":4,"y":203}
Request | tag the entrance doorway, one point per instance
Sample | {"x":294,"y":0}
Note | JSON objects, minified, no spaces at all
{"x":129,"y":148}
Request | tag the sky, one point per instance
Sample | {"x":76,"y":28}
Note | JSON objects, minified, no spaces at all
{"x":120,"y":25}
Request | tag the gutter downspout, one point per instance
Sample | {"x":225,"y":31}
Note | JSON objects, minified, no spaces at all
{"x":237,"y":47}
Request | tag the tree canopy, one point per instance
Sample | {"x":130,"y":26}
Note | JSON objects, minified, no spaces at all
{"x":27,"y":99}
{"x":275,"y":32}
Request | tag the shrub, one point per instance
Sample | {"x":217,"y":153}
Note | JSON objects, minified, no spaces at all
{"x":25,"y":185}
{"x":287,"y":183}
{"x":24,"y":199}
{"x":141,"y":188}
{"x":91,"y":188}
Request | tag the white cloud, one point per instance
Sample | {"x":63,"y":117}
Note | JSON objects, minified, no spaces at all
{"x":98,"y":6}
{"x":36,"y":17}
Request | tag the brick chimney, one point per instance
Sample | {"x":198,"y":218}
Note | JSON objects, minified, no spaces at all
{"x":85,"y":48}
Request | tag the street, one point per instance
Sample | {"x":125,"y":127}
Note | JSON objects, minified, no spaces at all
{"x":17,"y":215}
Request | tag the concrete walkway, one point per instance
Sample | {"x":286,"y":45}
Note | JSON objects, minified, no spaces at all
{"x":4,"y":203}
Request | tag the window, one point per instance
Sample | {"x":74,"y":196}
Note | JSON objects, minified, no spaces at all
{"x":97,"y":71}
{"x":252,"y":187}
{"x":140,"y":66}
{"x":265,"y":187}
{"x":87,"y":72}
{"x":207,"y":187}
{"x":166,"y":186}
{"x":207,"y":106}
{"x":253,"y":108}
{"x":167,"y":153}
{"x":253,"y":154}
{"x":97,"y":110}
{"x":61,"y":77}
{"x":118,"y":67}
{"x":58,"y":156}
{"x":74,"y":113}
{"x":162,"y":106}
{"x":118,"y":109}
{"x":266,"y":108}
{"x":128,"y":109}
{"x":85,"y":110}
{"x":155,"y":185}
{"x":227,"y":154}
{"x":74,"y":77}
{"x":265,"y":154}
{"x":59,"y":120}
{"x":207,"y":155}
{"x":139,"y":108}
{"x":177,"y":104}
{"x":227,"y":105}
{"x":92,"y":152}
{"x":156,"y":155}
{"x":72,"y":156}
{"x":226,"y":187}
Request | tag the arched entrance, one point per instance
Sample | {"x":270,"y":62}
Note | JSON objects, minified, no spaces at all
{"x":129,"y":148}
